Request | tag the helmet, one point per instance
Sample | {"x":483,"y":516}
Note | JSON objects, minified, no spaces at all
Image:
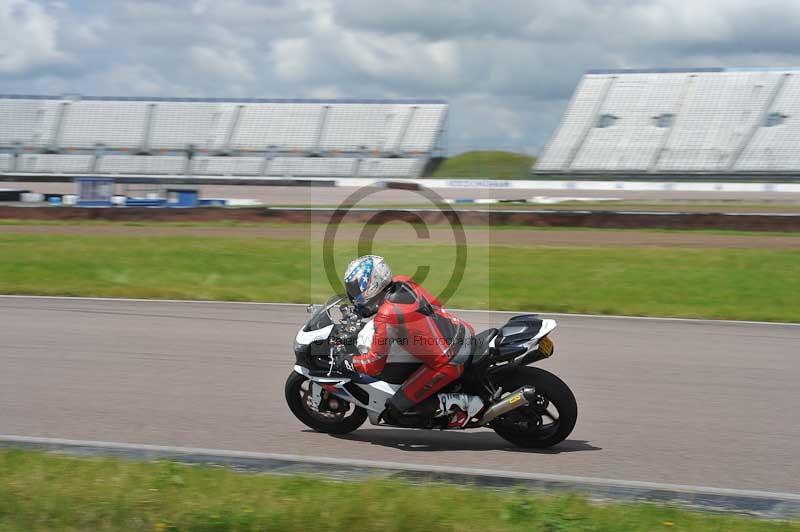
{"x":365,"y":278}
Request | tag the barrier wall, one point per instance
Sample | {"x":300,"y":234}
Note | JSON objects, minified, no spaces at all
{"x":674,"y":186}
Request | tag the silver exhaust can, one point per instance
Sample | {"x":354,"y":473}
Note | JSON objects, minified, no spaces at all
{"x":512,"y":401}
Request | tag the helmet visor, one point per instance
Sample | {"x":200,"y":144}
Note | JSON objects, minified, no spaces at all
{"x":354,"y":290}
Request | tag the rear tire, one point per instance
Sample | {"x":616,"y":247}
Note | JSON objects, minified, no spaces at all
{"x":336,"y":425}
{"x":557,"y":394}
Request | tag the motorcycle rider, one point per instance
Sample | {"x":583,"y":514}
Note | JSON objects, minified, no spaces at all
{"x":409,"y":318}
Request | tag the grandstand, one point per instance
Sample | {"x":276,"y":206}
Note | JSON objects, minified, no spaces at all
{"x":705,"y":121}
{"x":74,"y":135}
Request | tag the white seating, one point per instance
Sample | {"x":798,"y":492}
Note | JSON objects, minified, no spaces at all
{"x":352,"y":127}
{"x":776,"y":146}
{"x":718,"y":111}
{"x":27,"y":122}
{"x":176,"y":125}
{"x":54,"y":163}
{"x":116,"y":124}
{"x":142,"y":164}
{"x":423,"y":131}
{"x":154,"y":136}
{"x":703,"y":121}
{"x":290,"y":126}
{"x":576,"y":120}
{"x":633,"y":139}
{"x":396,"y":127}
{"x":229,"y":166}
{"x":311,"y":166}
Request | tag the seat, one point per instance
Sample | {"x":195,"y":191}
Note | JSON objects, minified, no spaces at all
{"x":480,"y":345}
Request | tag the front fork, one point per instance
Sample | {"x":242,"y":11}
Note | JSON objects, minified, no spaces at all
{"x":316,"y":394}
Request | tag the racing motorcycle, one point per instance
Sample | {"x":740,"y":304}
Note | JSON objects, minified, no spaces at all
{"x":527,"y":406}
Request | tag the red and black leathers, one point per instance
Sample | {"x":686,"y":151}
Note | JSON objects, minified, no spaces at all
{"x":412,"y":319}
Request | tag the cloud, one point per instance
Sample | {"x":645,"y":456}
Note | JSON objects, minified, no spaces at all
{"x":221,"y":63}
{"x":28,"y":38}
{"x":439,"y":20}
{"x":508,"y":67}
{"x":292,"y":59}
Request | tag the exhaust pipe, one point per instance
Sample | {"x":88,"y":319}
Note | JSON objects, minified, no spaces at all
{"x":521,"y":397}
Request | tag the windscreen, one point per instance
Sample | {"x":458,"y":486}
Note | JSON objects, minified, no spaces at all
{"x":320,"y":316}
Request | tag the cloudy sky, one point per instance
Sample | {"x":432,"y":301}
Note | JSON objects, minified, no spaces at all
{"x":507,"y":67}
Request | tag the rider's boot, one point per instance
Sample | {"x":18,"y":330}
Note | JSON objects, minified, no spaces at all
{"x":460,"y":407}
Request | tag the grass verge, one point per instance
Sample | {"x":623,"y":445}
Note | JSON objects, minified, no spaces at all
{"x":487,"y":164}
{"x":49,"y":492}
{"x":750,"y":284}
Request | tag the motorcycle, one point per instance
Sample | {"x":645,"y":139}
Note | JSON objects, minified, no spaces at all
{"x":527,"y":406}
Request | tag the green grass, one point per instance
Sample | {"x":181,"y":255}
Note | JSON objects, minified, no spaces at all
{"x":41,"y":492}
{"x":487,"y":164}
{"x":754,"y":284}
{"x":318,"y":228}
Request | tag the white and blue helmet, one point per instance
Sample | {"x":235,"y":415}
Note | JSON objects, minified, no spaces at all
{"x":365,"y":278}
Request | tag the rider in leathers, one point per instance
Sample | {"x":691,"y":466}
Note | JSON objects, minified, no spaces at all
{"x":410,"y":318}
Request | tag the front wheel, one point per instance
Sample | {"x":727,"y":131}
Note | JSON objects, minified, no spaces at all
{"x":547,"y":420}
{"x":340,"y":417}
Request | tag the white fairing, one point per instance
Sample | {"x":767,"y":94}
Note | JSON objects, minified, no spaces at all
{"x":364,"y":340}
{"x":328,"y":380}
{"x":547,"y":327}
{"x":379,"y":392}
{"x":306,"y":337}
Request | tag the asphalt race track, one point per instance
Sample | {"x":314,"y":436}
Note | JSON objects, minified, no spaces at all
{"x":678,"y":401}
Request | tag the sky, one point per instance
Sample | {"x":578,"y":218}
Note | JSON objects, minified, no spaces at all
{"x":507,"y":67}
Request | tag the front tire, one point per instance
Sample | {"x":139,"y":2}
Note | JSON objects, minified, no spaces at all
{"x":536,"y":426}
{"x":328,"y":422}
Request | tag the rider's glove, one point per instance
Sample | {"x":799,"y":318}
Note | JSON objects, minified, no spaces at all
{"x":344,"y":364}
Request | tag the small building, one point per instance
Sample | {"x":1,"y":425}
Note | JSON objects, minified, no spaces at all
{"x":94,"y":191}
{"x":181,"y":196}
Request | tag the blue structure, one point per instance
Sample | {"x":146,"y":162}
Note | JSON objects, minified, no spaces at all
{"x":145,"y":202}
{"x":182,"y":197}
{"x":94,"y":191}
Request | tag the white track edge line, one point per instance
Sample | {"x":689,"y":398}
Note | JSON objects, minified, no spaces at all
{"x":223,"y":453}
{"x":478,"y":311}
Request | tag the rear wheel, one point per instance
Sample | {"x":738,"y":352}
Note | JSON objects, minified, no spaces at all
{"x":338,"y":417}
{"x":547,"y":420}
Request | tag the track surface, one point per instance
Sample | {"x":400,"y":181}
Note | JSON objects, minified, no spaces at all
{"x":685,"y":402}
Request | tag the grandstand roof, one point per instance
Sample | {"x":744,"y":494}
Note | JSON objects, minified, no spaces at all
{"x":78,"y":97}
{"x":687,"y":70}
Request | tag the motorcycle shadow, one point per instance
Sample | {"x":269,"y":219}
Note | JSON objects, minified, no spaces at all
{"x":433,"y":441}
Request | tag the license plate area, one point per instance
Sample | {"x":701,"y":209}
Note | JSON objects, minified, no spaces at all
{"x":546,"y":346}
